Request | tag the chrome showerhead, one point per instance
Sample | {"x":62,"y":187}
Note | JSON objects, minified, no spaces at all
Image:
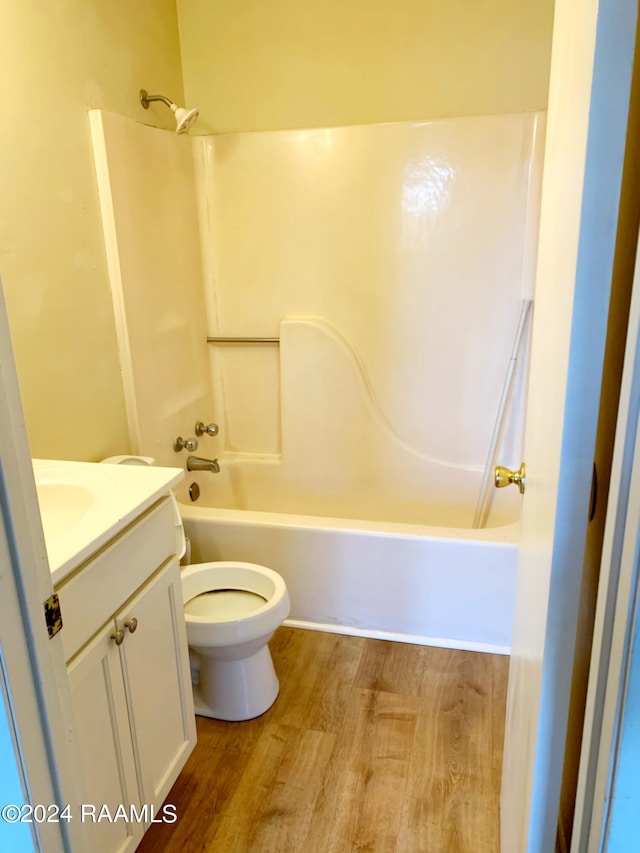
{"x":185,"y":118}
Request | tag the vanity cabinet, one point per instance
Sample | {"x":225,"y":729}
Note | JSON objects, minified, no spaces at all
{"x":129,"y":677}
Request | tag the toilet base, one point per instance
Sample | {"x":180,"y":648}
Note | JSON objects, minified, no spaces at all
{"x":236,"y":690}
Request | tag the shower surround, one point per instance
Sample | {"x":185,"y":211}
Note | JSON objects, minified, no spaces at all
{"x":389,"y":262}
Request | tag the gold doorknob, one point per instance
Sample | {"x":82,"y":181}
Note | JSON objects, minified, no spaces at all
{"x":505,"y":477}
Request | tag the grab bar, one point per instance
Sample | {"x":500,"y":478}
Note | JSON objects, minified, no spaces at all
{"x":242,"y":340}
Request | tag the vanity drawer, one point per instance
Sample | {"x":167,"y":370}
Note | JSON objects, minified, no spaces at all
{"x":92,"y":595}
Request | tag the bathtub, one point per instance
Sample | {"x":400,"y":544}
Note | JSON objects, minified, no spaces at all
{"x":443,"y":586}
{"x":353,"y":436}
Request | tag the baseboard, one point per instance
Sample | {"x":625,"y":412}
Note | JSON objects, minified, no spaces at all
{"x":414,"y":639}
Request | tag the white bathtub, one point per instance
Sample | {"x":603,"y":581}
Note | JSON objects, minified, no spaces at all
{"x":441,"y":586}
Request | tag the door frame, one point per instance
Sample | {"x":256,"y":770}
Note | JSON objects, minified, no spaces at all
{"x":589,"y":98}
{"x":617,"y":610}
{"x":40,"y":705}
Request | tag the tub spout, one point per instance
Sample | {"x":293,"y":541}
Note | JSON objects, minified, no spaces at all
{"x":195,"y":463}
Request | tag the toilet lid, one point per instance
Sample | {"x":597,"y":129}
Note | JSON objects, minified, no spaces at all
{"x":222,"y":605}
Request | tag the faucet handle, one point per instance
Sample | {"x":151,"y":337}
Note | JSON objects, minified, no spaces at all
{"x":189,"y":444}
{"x":209,"y":429}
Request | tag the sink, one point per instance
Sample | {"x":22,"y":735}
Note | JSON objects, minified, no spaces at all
{"x":62,"y":507}
{"x":84,"y":504}
{"x":70,"y":496}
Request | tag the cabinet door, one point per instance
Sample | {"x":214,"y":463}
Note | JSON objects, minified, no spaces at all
{"x":155,"y":663}
{"x":104,"y":741}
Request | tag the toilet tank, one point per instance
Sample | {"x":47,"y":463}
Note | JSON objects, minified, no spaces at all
{"x":183,"y":549}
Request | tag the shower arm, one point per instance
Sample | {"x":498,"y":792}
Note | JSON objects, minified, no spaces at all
{"x":146,"y":98}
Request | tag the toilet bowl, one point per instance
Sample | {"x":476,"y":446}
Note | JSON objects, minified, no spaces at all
{"x":231,"y":611}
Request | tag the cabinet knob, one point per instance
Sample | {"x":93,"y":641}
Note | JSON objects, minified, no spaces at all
{"x":118,"y":636}
{"x":131,"y":624}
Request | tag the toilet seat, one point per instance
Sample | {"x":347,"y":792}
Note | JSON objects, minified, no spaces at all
{"x":221,"y":605}
{"x":220,"y":627}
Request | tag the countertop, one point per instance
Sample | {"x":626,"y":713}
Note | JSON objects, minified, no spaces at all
{"x":84,"y":504}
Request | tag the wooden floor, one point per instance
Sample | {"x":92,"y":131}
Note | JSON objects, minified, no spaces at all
{"x":370,"y":746}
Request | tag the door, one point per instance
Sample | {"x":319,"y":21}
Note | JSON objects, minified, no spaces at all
{"x":34,"y":733}
{"x":106,"y":753}
{"x":608,"y":801}
{"x":19,"y":837}
{"x":155,"y":662}
{"x":615,"y":819}
{"x":592,"y":57}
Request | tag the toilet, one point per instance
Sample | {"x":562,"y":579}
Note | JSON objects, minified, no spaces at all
{"x":231,"y":611}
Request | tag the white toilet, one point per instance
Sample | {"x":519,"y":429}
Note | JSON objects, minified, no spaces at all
{"x":231,"y":611}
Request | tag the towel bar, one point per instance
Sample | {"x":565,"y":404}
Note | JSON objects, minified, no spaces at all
{"x":242,"y":340}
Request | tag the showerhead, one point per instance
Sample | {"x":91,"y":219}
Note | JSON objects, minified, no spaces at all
{"x":185,"y":118}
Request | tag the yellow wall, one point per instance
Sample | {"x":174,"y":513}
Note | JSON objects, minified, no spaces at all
{"x":58,"y":59}
{"x":256,"y":65}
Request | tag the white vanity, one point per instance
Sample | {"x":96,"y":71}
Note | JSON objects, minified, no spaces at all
{"x":111,"y":539}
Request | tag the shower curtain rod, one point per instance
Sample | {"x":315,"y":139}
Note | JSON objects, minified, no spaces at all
{"x":482,"y":507}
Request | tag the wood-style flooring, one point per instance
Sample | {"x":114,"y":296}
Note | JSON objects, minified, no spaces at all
{"x":370,"y":746}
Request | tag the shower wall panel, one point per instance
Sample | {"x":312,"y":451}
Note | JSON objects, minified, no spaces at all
{"x":414,"y":244}
{"x":150,"y":219}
